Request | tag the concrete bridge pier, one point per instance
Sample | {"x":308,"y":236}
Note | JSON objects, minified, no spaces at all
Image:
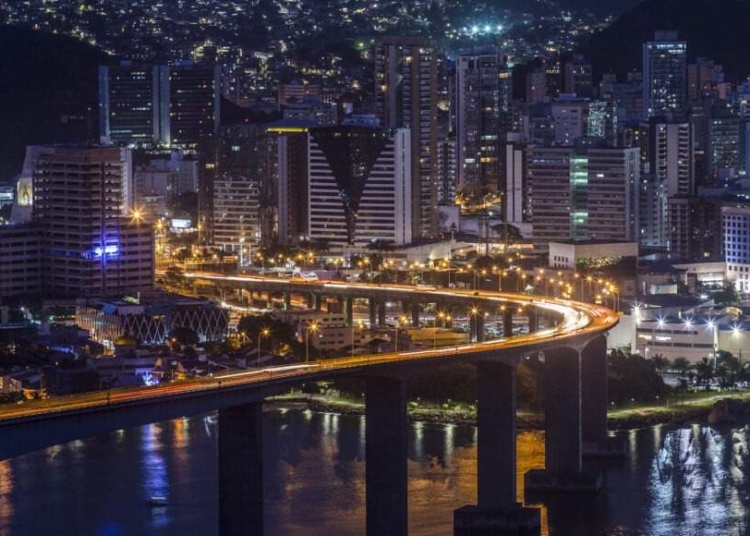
{"x":594,"y":403}
{"x":497,"y":511}
{"x":386,"y":451}
{"x":562,"y":427}
{"x":318,"y":299}
{"x":415,"y":312}
{"x":381,"y":314}
{"x":533,"y":319}
{"x":507,"y":322}
{"x":287,"y":296}
{"x":310,"y":300}
{"x":241,"y":470}
{"x":480,"y":327}
{"x":349,"y":310}
{"x":373,"y":312}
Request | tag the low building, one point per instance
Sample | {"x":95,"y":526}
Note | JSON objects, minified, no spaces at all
{"x":595,"y":253}
{"x":151,"y":322}
{"x":332,"y":333}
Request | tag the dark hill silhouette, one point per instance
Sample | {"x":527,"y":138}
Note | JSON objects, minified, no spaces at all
{"x":48,"y":92}
{"x":716,"y":29}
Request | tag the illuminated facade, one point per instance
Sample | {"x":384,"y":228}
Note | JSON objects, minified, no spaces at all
{"x":664,"y":75}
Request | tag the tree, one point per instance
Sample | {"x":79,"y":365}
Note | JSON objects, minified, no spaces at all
{"x":727,"y":295}
{"x":681,"y":365}
{"x":183,"y":336}
{"x":705,"y":371}
{"x":660,"y":363}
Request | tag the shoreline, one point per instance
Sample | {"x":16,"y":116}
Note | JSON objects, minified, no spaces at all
{"x":618,"y":420}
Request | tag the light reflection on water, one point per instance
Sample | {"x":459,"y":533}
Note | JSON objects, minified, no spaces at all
{"x":690,"y":480}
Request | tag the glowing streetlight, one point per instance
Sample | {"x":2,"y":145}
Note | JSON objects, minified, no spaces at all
{"x":314,"y":328}
{"x":265,"y":332}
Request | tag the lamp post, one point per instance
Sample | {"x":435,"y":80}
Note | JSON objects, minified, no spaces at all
{"x":314,"y":328}
{"x":265,"y":332}
{"x":360,"y":325}
{"x":399,"y":321}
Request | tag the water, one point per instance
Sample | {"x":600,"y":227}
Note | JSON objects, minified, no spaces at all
{"x":677,"y":481}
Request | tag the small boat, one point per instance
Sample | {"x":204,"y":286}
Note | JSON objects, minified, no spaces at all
{"x":157,"y":501}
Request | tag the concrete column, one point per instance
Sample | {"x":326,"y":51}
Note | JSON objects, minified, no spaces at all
{"x":310,"y":300}
{"x":533,"y":319}
{"x":318,"y":301}
{"x":405,"y":307}
{"x":594,"y":391}
{"x":381,"y":314}
{"x":348,"y":310}
{"x":287,"y":300}
{"x":386,"y":450}
{"x":497,"y":511}
{"x":480,"y":327}
{"x":415,"y":311}
{"x":496,"y":428}
{"x":562,"y":411}
{"x":508,"y":322}
{"x":241,"y":470}
{"x":373,"y":312}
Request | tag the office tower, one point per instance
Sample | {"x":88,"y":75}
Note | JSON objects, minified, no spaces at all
{"x":406,"y":97}
{"x":724,"y":144}
{"x":694,"y":228}
{"x":571,"y":117}
{"x":94,"y":244}
{"x":652,"y":212}
{"x":603,"y":121}
{"x":536,"y":86}
{"x":553,"y":75}
{"x":128,"y":104}
{"x":360,"y":185}
{"x":290,"y":179}
{"x":20,"y":260}
{"x":702,"y":76}
{"x":579,"y":77}
{"x":670,"y":150}
{"x":446,"y":171}
{"x":664,"y":75}
{"x":735,"y":224}
{"x":193,"y":104}
{"x":483,"y":91}
{"x":236,"y":222}
{"x":517,"y":195}
{"x":583,"y":194}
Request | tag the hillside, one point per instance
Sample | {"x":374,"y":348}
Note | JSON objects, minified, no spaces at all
{"x":48,"y":92}
{"x":715,"y":29}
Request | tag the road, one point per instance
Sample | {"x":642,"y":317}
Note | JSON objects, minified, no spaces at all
{"x":579,"y":319}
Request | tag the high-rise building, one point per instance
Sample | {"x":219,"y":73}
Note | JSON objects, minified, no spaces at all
{"x":237,"y":215}
{"x":94,"y":242}
{"x":652,"y":212}
{"x":194,"y":104}
{"x":128,"y":104}
{"x":724,"y":144}
{"x":359,"y":185}
{"x":584,"y":194}
{"x":536,"y":86}
{"x":571,"y":119}
{"x":670,"y":155}
{"x":517,"y":198}
{"x":406,"y":97}
{"x":736,"y":240}
{"x":446,"y":171}
{"x":291,"y":179}
{"x":579,"y":77}
{"x":664,"y":75}
{"x":484,"y":91}
{"x":702,"y":75}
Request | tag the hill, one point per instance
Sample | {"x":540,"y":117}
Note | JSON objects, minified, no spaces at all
{"x":48,"y":92}
{"x":715,"y":29}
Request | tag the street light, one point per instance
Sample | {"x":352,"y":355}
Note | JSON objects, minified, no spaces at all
{"x":314,"y":328}
{"x":360,"y":325}
{"x":265,"y":332}
{"x":399,"y":321}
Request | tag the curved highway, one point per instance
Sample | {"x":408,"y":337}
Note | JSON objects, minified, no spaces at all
{"x":579,"y":322}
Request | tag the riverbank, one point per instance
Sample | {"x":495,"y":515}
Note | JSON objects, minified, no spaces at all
{"x":696,"y":409}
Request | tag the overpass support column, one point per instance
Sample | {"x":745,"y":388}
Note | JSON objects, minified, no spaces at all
{"x":497,"y":511}
{"x":594,"y":403}
{"x":386,"y":449}
{"x":310,"y":300}
{"x":348,"y":310}
{"x":241,"y":470}
{"x":287,"y":300}
{"x":481,"y":334}
{"x":381,"y":314}
{"x":415,"y":311}
{"x":507,"y":322}
{"x":562,"y":427}
{"x":373,"y":312}
{"x":533,"y":319}
{"x":318,"y":298}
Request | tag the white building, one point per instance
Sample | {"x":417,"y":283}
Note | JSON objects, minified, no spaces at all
{"x":360,"y":186}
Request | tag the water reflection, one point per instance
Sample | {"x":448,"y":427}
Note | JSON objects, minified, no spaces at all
{"x":690,"y":480}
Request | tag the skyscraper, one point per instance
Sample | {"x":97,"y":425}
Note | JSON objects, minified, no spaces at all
{"x":406,"y":97}
{"x":664,"y":75}
{"x":484,"y":90}
{"x":194,"y":103}
{"x":94,"y":241}
{"x":579,"y":77}
{"x":359,"y":185}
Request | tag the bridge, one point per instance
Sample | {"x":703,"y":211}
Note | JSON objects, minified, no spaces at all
{"x":572,"y":343}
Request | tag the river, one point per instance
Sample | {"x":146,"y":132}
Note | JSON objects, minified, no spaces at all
{"x":689,"y":480}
